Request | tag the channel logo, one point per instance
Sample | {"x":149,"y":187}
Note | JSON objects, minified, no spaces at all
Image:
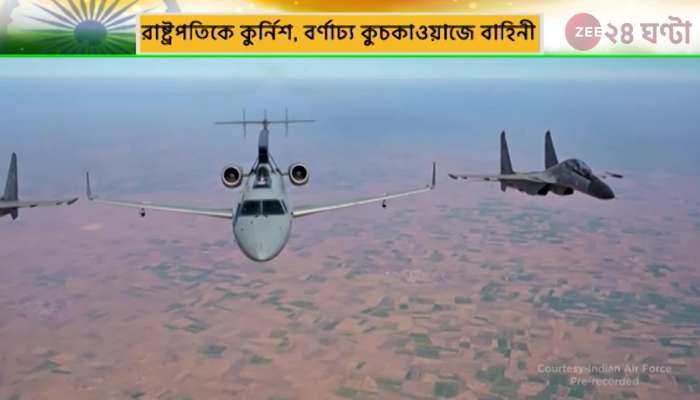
{"x":583,"y":31}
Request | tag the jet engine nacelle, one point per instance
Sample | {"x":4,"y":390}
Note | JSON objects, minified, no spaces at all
{"x":298,"y":174}
{"x":562,"y":190}
{"x":232,"y":176}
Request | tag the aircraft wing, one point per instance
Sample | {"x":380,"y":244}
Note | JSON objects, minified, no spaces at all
{"x":225,"y":213}
{"x":38,"y":203}
{"x":534,"y":178}
{"x":310,"y":210}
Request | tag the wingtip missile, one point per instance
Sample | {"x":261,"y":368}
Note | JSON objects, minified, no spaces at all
{"x":614,"y":175}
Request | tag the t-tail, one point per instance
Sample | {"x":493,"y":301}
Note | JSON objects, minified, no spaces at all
{"x":11,"y":186}
{"x":506,"y":166}
{"x":263,"y":139}
{"x":550,"y":155}
{"x":265,"y":122}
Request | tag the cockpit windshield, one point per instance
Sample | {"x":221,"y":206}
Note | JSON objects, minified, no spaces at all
{"x":272,"y":207}
{"x":580,"y":168}
{"x":250,"y":208}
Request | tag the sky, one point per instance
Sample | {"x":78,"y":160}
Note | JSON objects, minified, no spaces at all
{"x":146,"y":124}
{"x":375,"y":68}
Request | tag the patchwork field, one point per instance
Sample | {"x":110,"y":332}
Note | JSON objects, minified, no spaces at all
{"x":468,"y":294}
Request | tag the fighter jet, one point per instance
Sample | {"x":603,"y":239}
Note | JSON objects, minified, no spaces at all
{"x":10,"y":202}
{"x":562,"y":178}
{"x":262,"y":219}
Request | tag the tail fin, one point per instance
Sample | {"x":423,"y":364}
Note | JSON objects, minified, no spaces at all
{"x":550,"y":156}
{"x":506,"y":166}
{"x":11,"y":187}
{"x":265,"y":122}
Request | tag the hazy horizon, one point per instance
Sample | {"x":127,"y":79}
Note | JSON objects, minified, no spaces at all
{"x":644,"y":127}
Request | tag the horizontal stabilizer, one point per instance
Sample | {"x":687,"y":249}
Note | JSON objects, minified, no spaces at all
{"x":266,"y":122}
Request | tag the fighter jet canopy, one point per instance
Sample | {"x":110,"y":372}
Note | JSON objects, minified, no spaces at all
{"x":579,"y":167}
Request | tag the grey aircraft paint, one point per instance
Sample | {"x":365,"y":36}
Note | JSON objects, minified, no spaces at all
{"x":562,"y":178}
{"x":263,"y":235}
{"x":10,"y":203}
{"x":262,"y":219}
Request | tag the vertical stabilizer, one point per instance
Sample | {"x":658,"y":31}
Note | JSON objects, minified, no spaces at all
{"x":550,"y":155}
{"x":264,"y":146}
{"x":506,"y":166}
{"x":11,"y":187}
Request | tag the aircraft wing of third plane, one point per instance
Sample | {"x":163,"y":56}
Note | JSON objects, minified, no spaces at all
{"x":536,"y":178}
{"x":38,"y":203}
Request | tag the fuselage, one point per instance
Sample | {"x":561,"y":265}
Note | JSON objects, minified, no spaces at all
{"x":567,"y":176}
{"x":263,"y":220}
{"x":576,"y":175}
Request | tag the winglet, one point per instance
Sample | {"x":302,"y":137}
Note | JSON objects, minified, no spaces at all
{"x":432,"y":183}
{"x":89,"y":189}
{"x":286,"y":122}
{"x":245,"y":125}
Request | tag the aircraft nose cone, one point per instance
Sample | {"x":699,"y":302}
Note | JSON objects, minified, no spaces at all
{"x":262,"y":252}
{"x":601,"y":189}
{"x":259,"y":250}
{"x":261,"y":239}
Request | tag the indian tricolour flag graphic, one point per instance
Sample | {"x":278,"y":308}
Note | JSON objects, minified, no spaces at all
{"x":108,"y":26}
{"x":73,"y":26}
